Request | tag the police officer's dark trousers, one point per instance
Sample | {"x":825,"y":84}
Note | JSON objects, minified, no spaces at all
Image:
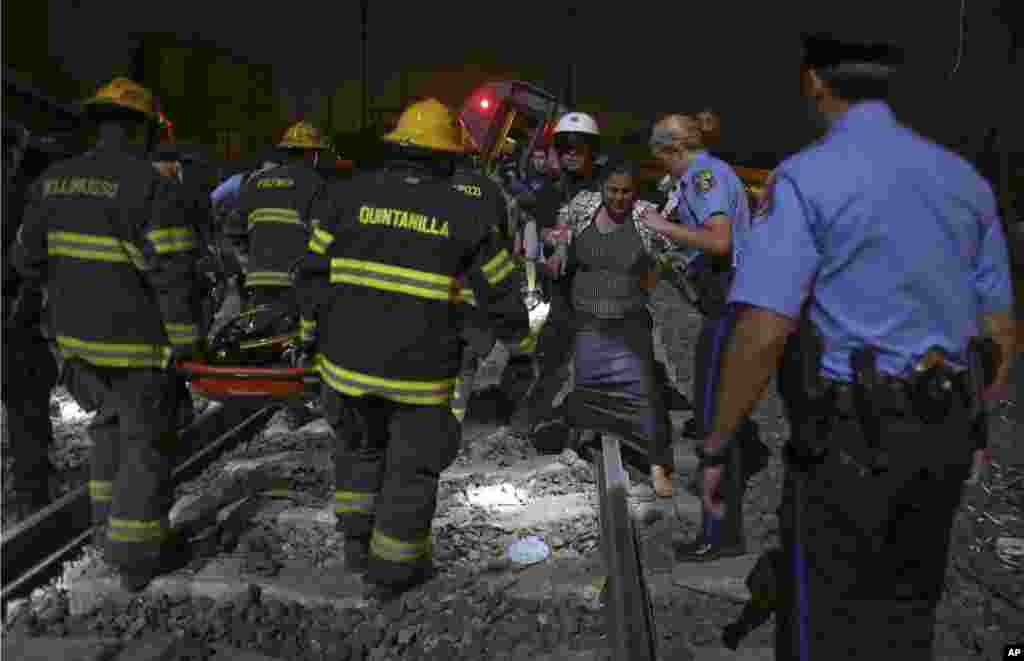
{"x":29,"y":374}
{"x":716,"y":331}
{"x":388,"y":460}
{"x":134,"y":444}
{"x":874,"y":547}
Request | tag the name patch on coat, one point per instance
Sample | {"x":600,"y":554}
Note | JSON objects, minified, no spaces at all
{"x":403,"y":219}
{"x":272,"y":182}
{"x":90,"y":186}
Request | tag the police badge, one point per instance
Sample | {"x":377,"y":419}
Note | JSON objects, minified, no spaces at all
{"x":704,"y":181}
{"x":767,"y":199}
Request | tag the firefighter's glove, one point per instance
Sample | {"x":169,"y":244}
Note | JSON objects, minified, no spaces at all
{"x":310,"y":265}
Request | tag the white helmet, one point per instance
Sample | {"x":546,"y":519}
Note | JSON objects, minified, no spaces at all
{"x":576,"y":122}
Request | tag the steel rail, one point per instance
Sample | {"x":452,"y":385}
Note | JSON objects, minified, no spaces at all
{"x":33,"y":551}
{"x":628,"y":610}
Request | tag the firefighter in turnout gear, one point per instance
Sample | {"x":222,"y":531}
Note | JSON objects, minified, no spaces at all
{"x":476,"y":332}
{"x":398,"y":244}
{"x":274,"y":207}
{"x":108,"y":237}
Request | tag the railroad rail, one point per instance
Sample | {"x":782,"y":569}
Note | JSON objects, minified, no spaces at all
{"x":34,"y":550}
{"x":628,"y":610}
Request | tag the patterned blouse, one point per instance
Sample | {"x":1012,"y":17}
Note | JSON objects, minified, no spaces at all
{"x":581,"y":212}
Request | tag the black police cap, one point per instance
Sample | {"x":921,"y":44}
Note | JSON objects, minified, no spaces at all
{"x":823,"y":51}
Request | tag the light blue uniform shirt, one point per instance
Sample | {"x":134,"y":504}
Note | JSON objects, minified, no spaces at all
{"x":898,"y":240}
{"x":228,"y":191}
{"x":712,"y":187}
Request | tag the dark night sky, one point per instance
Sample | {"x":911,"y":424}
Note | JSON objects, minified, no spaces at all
{"x":637,"y":57}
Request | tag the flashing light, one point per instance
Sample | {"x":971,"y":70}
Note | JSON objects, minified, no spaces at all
{"x":485,"y":103}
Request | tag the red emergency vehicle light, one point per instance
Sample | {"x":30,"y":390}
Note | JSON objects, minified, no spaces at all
{"x":485,"y":103}
{"x":270,"y":383}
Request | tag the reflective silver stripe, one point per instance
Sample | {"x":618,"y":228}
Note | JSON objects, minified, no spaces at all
{"x":408,"y":392}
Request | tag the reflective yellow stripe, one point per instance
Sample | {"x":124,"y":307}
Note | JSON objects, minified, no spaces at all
{"x":282,"y":216}
{"x":139,"y":532}
{"x":460,"y":414}
{"x":94,"y":248}
{"x":529,"y":343}
{"x":307,"y":329}
{"x":499,"y":267}
{"x":394,"y":279}
{"x":101,"y":491}
{"x":109,"y":354}
{"x":467,"y":296}
{"x":348,"y":502}
{"x":320,"y":241}
{"x":345,"y":381}
{"x":180,"y":334}
{"x":395,"y":550}
{"x":268,"y":279}
{"x":172,"y":239}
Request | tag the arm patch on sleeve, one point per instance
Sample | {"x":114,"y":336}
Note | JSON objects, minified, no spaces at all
{"x":704,"y":181}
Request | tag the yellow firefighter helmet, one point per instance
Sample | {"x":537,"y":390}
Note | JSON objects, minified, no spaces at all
{"x":127,"y":94}
{"x":302,"y":135}
{"x":430,"y":125}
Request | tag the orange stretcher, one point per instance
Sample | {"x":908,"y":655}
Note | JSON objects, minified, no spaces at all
{"x":251,"y":358}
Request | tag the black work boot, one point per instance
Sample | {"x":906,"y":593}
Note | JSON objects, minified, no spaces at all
{"x":385,"y":592}
{"x":357,"y":554}
{"x":712,"y":543}
{"x":174,"y":555}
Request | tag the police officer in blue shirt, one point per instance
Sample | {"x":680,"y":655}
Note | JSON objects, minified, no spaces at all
{"x":880,"y":257}
{"x":711,"y":219}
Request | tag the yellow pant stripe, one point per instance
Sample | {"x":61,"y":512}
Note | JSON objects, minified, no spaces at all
{"x":353,"y":502}
{"x":396,"y":550}
{"x":101,"y":491}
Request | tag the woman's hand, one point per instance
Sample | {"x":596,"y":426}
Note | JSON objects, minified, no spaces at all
{"x":555,"y":235}
{"x":654,"y":220}
{"x":554,"y":264}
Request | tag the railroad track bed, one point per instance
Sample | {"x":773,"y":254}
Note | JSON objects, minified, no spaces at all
{"x":266,"y":579}
{"x":70,"y":450}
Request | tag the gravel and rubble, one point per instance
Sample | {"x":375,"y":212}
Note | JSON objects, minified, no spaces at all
{"x":481,"y":606}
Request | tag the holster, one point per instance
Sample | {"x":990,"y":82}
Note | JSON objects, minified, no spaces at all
{"x":805,"y":394}
{"x":866,"y":399}
{"x":711,"y":280}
